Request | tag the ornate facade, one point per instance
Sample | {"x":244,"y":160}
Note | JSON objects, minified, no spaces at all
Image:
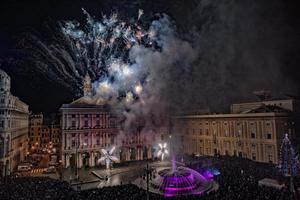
{"x":88,"y":126}
{"x":253,"y":132}
{"x":13,"y":128}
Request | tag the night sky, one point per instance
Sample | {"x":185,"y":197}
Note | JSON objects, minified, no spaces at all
{"x":242,"y":46}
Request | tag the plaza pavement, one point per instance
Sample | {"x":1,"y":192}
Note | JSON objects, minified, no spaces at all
{"x":86,"y":176}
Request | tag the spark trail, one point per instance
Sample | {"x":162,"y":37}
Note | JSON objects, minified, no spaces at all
{"x":132,"y":66}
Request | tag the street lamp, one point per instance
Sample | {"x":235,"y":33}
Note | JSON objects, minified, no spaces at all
{"x":148,"y":174}
{"x":76,"y":157}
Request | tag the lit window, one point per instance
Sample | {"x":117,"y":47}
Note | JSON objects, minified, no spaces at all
{"x":253,"y":156}
{"x":73,"y":124}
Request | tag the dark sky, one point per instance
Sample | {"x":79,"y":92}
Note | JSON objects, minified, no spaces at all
{"x":253,"y":43}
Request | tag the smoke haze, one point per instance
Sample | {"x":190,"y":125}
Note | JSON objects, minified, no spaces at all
{"x":214,"y":53}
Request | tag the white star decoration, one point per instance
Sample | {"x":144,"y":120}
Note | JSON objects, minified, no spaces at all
{"x":108,"y":157}
{"x":162,"y":152}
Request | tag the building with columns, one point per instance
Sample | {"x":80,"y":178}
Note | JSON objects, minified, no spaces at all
{"x":13,"y":128}
{"x":252,"y":130}
{"x":88,"y":125}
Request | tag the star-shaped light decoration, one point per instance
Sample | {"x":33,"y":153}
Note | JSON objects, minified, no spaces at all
{"x":108,"y":157}
{"x":162,"y":152}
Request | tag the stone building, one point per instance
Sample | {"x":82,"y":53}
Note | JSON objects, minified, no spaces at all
{"x":252,"y":130}
{"x":43,"y":138}
{"x":39,"y":134}
{"x":13,"y":128}
{"x":88,"y":125}
{"x":55,"y":137}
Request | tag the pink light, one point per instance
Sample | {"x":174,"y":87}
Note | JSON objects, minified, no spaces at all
{"x":179,"y":189}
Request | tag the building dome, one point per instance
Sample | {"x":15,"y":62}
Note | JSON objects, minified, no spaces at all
{"x":4,"y":82}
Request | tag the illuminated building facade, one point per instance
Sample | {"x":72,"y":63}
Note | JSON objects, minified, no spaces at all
{"x":88,"y":125}
{"x":43,"y":138}
{"x":13,"y":128}
{"x":251,"y":130}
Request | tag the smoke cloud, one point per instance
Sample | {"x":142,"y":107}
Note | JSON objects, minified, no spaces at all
{"x":205,"y":54}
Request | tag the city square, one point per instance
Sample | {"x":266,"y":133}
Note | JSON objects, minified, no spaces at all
{"x":131,"y":100}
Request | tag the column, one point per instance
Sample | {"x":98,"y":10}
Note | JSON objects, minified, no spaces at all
{"x":79,"y":160}
{"x":92,"y":139}
{"x":67,"y":160}
{"x":128,"y":154}
{"x":92,"y":159}
{"x":67,"y":137}
{"x":149,"y":153}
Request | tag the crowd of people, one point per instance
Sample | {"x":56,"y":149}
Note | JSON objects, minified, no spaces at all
{"x":34,"y":188}
{"x":238,"y":179}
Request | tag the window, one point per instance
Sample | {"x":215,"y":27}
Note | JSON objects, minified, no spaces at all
{"x":86,"y":115}
{"x":252,"y":135}
{"x":269,"y":136}
{"x":2,"y":101}
{"x":226,"y":133}
{"x":112,"y":123}
{"x":270,"y":158}
{"x":206,"y":131}
{"x":253,"y":156}
{"x":187,"y":131}
{"x":2,"y":124}
{"x":73,"y":143}
{"x":86,"y":123}
{"x":73,"y":115}
{"x":214,"y":139}
{"x":98,"y":123}
{"x":73,"y":124}
{"x":200,"y":131}
{"x":97,"y":115}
